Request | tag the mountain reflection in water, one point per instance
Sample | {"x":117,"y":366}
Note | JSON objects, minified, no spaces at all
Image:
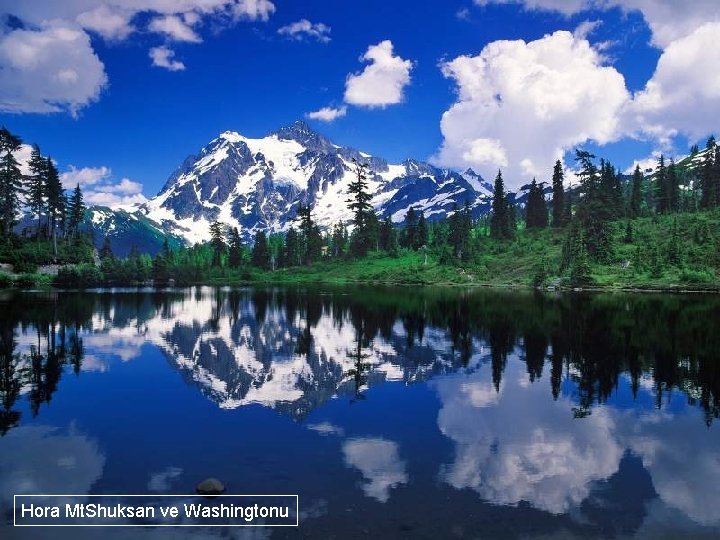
{"x":586,"y":415}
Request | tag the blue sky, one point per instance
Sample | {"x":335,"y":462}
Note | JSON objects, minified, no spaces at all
{"x":516,"y":91}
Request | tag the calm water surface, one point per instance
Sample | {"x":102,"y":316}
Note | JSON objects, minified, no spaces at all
{"x":393,"y":413}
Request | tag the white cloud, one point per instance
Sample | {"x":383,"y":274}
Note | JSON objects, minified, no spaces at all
{"x":99,"y":189}
{"x":547,"y":459}
{"x":585,"y":28}
{"x":49,"y":65}
{"x":566,"y":7}
{"x":327,"y":114}
{"x":164,"y":58}
{"x":160,"y":482}
{"x":305,"y":29}
{"x":521,"y":105}
{"x":668,"y":20}
{"x":253,"y":10}
{"x":382,"y":82}
{"x":50,"y":69}
{"x":85,"y":176}
{"x":379,"y":462}
{"x":110,"y":23}
{"x":684,"y":92}
{"x":175,"y":28}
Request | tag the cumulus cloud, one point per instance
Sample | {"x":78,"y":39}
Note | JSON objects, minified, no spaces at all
{"x":85,"y":176}
{"x":303,"y":29}
{"x":327,"y":114}
{"x":99,"y":189}
{"x":379,"y":462}
{"x":548,"y":458}
{"x":49,"y":69}
{"x":110,"y":23}
{"x":165,"y":58}
{"x":521,"y":105}
{"x":683,"y":94}
{"x":668,"y":20}
{"x":49,"y":64}
{"x":175,"y":28}
{"x":382,"y":82}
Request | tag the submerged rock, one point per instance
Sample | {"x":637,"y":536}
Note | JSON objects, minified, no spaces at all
{"x":210,"y":486}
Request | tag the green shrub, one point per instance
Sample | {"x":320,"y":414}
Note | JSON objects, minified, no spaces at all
{"x":6,"y":280}
{"x":696,"y":276}
{"x":78,"y":276}
{"x":29,"y":281}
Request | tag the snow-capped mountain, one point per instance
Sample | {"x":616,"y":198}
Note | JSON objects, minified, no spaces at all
{"x":258,"y":184}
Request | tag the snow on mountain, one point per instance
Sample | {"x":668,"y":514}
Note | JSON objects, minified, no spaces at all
{"x":258,"y":184}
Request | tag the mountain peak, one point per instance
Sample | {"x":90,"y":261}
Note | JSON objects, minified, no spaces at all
{"x":301,"y":132}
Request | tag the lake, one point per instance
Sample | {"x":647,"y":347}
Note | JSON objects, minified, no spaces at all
{"x":391,"y":412}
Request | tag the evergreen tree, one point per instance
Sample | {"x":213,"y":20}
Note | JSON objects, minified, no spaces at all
{"x":536,"y":209}
{"x":56,"y":201}
{"x":558,"y":200}
{"x":36,"y":182}
{"x":11,"y":184}
{"x":362,"y":238}
{"x":595,"y":209}
{"x":502,"y":221}
{"x":708,"y":186}
{"x":672,"y":188}
{"x":662,"y":201}
{"x":674,"y":248}
{"x":291,"y":252}
{"x":76,"y":211}
{"x":580,"y":267}
{"x":310,"y":236}
{"x":217,"y":242}
{"x":338,"y":241}
{"x":421,"y":232}
{"x":235,"y":248}
{"x":106,"y":251}
{"x":260,"y":251}
{"x":409,"y":232}
{"x":636,"y":193}
{"x":388,"y":237}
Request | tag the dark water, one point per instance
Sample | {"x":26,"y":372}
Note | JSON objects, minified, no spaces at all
{"x":393,"y":413}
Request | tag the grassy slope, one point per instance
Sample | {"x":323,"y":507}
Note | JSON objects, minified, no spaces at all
{"x":515,"y":264}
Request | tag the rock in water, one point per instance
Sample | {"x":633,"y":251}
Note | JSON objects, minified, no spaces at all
{"x":210,"y":486}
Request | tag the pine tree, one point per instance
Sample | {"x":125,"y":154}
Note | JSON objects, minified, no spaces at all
{"x":11,"y":185}
{"x":661,"y":187}
{"x":217,"y":241}
{"x":672,"y":187}
{"x":260,"y":251}
{"x":421,"y":232}
{"x":674,"y":248}
{"x":76,"y":211}
{"x":580,"y":267}
{"x":36,"y":182}
{"x":310,"y":236}
{"x":56,"y":201}
{"x":558,"y":200}
{"x":338,"y":239}
{"x":636,"y":193}
{"x":388,"y":236}
{"x":708,"y":186}
{"x":235,"y":248}
{"x":362,"y":237}
{"x":595,"y":209}
{"x":106,"y":251}
{"x":291,"y":252}
{"x":409,"y":232}
{"x":500,"y":222}
{"x":536,"y":217}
